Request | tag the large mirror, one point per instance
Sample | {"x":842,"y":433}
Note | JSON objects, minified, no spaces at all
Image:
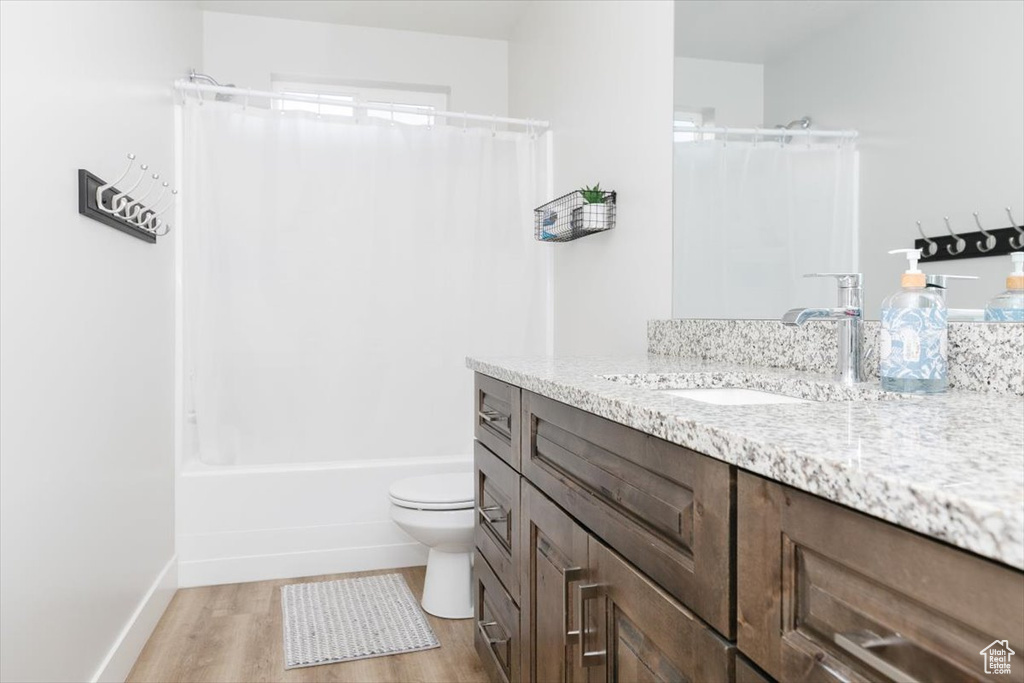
{"x":895,"y":112}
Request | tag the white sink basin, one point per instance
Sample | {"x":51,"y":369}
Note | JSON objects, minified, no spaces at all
{"x":733,"y":396}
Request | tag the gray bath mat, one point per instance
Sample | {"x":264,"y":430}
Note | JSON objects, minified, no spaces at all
{"x":341,"y":621}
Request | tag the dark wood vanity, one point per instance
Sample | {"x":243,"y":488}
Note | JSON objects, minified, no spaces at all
{"x":606,"y":554}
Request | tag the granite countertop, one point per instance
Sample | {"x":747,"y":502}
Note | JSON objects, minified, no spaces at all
{"x":950,"y":466}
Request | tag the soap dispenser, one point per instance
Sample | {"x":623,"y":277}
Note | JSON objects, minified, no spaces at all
{"x":913,"y":344}
{"x":1009,"y":306}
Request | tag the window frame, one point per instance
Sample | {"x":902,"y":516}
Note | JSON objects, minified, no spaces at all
{"x":363,"y":101}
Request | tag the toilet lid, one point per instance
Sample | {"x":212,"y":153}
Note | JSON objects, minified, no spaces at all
{"x":434,"y":492}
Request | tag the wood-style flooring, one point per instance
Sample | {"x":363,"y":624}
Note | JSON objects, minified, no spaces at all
{"x":233,"y":633}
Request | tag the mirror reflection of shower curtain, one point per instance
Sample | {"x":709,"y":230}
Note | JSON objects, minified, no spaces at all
{"x":337,"y":274}
{"x":750,"y":220}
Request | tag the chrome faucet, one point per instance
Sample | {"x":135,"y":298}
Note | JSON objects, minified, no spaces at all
{"x":848,"y":316}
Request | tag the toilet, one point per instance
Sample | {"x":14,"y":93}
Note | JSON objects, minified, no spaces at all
{"x":437,"y":511}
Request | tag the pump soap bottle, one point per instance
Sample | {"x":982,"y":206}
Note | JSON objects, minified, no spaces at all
{"x":913,"y":343}
{"x":1009,"y":306}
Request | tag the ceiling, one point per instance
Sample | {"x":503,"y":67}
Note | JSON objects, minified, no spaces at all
{"x":480,"y":19}
{"x":754,"y":30}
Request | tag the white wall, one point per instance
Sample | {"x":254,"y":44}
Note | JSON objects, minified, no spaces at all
{"x":735,"y":90}
{"x":246,"y":50}
{"x":936,"y":91}
{"x":603,"y":77}
{"x":87,"y":337}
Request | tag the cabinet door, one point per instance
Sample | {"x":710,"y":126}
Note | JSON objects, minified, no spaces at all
{"x":635,"y":631}
{"x":826,"y":593}
{"x":554,"y":561}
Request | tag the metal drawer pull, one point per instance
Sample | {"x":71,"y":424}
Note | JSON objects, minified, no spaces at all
{"x":493,"y":416}
{"x":485,"y":513}
{"x":483,"y":626}
{"x":569,"y":575}
{"x":885,"y":655}
{"x":584,"y":594}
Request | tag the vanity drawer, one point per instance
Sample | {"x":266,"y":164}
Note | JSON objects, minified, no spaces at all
{"x":497,"y":625}
{"x":828,"y":594}
{"x":497,"y":516}
{"x":496,"y":422}
{"x":665,"y":508}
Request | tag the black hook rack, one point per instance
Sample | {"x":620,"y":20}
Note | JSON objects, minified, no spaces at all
{"x":945,"y":248}
{"x":88,"y":183}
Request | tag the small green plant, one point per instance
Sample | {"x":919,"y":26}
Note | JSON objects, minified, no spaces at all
{"x":593,"y":195}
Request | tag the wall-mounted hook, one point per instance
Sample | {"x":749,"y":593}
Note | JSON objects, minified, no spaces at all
{"x":106,"y":186}
{"x":118,"y":200}
{"x":129,"y":210}
{"x":152,"y":223}
{"x":990,"y":240}
{"x":933,"y":247}
{"x":1018,"y":241}
{"x":165,"y":226}
{"x":128,"y":215}
{"x":141,"y":210}
{"x":961,"y":243}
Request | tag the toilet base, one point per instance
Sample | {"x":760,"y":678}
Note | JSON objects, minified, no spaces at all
{"x":448,"y":587}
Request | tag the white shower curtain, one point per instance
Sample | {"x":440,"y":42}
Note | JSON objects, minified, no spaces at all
{"x":751,"y":219}
{"x":337,"y":274}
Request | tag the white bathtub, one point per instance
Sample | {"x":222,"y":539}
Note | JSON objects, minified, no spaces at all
{"x":249,"y":523}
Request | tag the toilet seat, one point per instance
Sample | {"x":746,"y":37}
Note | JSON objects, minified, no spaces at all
{"x":434,"y":492}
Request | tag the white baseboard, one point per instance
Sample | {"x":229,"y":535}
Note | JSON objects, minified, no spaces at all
{"x":119,"y":660}
{"x":238,"y":524}
{"x":240,"y":569}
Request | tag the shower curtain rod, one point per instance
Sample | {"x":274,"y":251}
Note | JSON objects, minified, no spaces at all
{"x":771,"y":132}
{"x":242,"y":93}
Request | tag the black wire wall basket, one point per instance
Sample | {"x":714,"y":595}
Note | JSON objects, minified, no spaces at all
{"x":571,"y":217}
